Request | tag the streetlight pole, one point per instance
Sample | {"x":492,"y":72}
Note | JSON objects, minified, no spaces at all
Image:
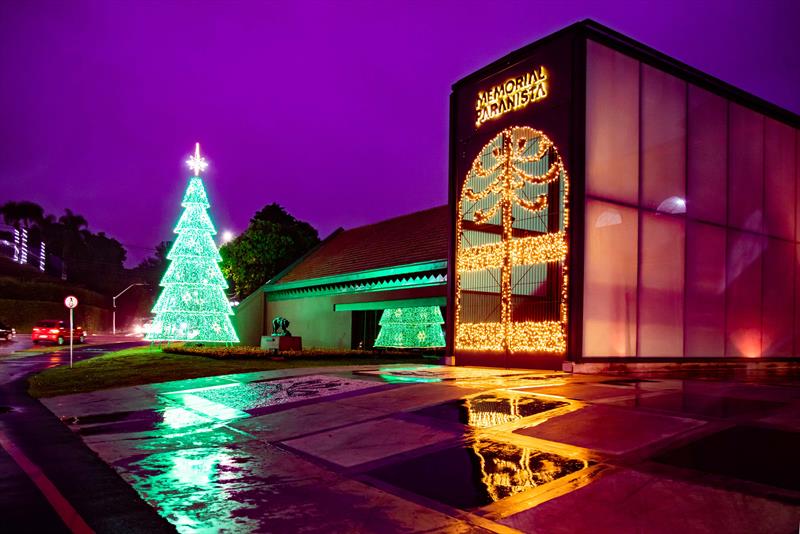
{"x":114,"y":304}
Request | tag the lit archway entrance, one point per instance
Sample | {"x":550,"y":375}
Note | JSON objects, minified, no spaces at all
{"x":511,"y":252}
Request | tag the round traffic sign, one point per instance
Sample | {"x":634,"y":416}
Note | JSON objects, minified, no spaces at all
{"x":70,"y":302}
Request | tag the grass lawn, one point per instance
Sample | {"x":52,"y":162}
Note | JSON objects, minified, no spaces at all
{"x":143,"y":365}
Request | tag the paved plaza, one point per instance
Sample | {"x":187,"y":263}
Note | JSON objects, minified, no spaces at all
{"x":444,"y":449}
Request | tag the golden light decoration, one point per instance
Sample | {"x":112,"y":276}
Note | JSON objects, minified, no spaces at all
{"x":524,"y":251}
{"x":503,"y":197}
{"x":527,"y":336}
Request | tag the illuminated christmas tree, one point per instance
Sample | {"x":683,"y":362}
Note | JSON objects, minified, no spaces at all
{"x":193,"y":305}
{"x":418,"y":327}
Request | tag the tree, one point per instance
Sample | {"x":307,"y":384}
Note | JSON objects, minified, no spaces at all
{"x":150,"y":269}
{"x":416,"y":327}
{"x":271,"y":243}
{"x":22,"y":214}
{"x":96,"y":260}
{"x":193,"y":306}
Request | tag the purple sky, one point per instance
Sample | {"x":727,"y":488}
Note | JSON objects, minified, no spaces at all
{"x":336,"y":110}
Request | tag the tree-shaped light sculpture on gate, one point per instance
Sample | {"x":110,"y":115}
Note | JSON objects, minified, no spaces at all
{"x":513,"y":180}
{"x":193,"y":305}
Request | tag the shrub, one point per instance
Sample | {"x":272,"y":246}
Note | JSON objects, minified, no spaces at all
{"x":245,"y":352}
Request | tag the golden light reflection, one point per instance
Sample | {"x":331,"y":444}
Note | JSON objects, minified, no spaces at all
{"x":508,"y":468}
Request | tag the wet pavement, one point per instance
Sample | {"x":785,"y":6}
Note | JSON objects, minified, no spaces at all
{"x":49,"y":480}
{"x":442,"y":449}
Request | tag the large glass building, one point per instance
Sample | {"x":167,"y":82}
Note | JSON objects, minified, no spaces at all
{"x":611,"y":204}
{"x":608,"y":204}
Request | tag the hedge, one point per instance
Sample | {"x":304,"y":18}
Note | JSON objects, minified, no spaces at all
{"x":245,"y":352}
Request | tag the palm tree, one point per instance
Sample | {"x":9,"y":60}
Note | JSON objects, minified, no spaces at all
{"x":22,"y":214}
{"x":74,"y":227}
{"x":73,"y":222}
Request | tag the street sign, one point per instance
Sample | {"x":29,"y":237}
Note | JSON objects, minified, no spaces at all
{"x":70,"y":302}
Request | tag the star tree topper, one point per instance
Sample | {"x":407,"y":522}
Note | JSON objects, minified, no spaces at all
{"x":197,"y":163}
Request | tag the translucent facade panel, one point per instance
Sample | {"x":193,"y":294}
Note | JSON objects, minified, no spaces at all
{"x":797,"y":301}
{"x":707,"y":164}
{"x":661,"y":286}
{"x":779,"y":179}
{"x":777,"y":322}
{"x":743,"y":308}
{"x":746,"y":169}
{"x":797,"y":182}
{"x":663,"y":141}
{"x":612,"y":124}
{"x":705,"y":290}
{"x":610,"y":278}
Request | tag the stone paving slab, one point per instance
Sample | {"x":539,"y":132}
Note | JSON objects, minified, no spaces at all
{"x":121,"y":446}
{"x":631,"y":501}
{"x":787,"y":416}
{"x":693,"y":404}
{"x":409,"y":397}
{"x":295,"y":422}
{"x":585,"y":392}
{"x":373,"y":440}
{"x":609,"y":429}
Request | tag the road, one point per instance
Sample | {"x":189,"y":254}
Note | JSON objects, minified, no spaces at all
{"x":49,"y":481}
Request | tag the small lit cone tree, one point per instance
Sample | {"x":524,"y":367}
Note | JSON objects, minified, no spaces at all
{"x":418,"y":327}
{"x":193,"y":305}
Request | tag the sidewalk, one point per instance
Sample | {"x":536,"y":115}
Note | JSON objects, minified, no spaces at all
{"x":49,"y":479}
{"x":442,"y":449}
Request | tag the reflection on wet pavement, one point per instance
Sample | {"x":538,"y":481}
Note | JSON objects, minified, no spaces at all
{"x":624,"y":381}
{"x":215,"y":488}
{"x":771,"y":455}
{"x":706,"y":405}
{"x":479,"y":473}
{"x":167,"y":419}
{"x":439,"y":373}
{"x":251,"y":396}
{"x":490,"y":409}
{"x":369,"y":449}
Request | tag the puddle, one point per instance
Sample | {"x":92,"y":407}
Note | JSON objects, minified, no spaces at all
{"x":491,"y":409}
{"x":113,"y":417}
{"x":625,"y":381}
{"x":168,"y":419}
{"x":706,"y":405}
{"x":115,"y":422}
{"x":764,"y":455}
{"x":480,"y":473}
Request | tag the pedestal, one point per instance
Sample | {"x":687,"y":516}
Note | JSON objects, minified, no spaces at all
{"x":279,"y":343}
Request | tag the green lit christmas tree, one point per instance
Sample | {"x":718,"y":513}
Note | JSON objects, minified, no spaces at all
{"x":193,"y":305}
{"x":418,"y":327}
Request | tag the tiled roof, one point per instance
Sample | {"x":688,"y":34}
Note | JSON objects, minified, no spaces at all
{"x":412,"y":238}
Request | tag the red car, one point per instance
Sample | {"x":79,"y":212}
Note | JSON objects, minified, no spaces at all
{"x":56,"y":331}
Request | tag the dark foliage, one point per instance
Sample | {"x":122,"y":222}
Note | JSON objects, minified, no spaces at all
{"x":271,"y":243}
